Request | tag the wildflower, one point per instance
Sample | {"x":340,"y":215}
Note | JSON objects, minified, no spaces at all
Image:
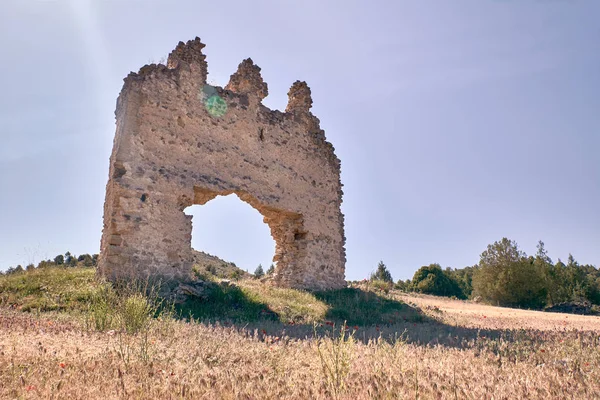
{"x":62,"y":365}
{"x":542,"y":350}
{"x":355,"y":327}
{"x":264,"y":332}
{"x":30,"y":388}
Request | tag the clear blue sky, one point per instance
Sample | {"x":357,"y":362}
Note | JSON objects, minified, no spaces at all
{"x":457,"y":122}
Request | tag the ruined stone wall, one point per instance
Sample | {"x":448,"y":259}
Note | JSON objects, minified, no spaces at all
{"x":181,"y":142}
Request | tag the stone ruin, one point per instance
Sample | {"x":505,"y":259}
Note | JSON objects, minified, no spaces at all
{"x":180,"y":141}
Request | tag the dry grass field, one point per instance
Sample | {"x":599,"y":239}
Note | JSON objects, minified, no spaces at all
{"x":288,"y":345}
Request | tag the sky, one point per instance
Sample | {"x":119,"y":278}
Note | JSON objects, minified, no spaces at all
{"x":457,"y":122}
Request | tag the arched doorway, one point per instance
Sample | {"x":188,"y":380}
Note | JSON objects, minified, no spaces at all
{"x":287,"y":230}
{"x":232,"y":230}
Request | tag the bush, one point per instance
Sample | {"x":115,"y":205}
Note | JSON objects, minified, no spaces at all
{"x":432,"y":279}
{"x":137,"y":312}
{"x":102,"y":307}
{"x":382,"y":285}
{"x":404,"y":286}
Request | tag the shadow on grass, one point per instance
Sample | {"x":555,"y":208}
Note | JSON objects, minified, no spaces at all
{"x":266,"y":311}
{"x":365,"y":308}
{"x":368,"y":316}
{"x":226,"y":303}
{"x":354,"y":306}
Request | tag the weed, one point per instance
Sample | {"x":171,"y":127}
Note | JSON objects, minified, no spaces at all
{"x":335,"y":355}
{"x":136,"y":313}
{"x":101,"y":312}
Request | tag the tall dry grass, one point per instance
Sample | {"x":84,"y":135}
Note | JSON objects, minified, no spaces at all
{"x":463,"y":351}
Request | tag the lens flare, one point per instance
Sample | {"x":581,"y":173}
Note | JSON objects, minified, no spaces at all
{"x":215,"y":105}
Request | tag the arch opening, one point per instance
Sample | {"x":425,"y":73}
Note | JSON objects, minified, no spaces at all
{"x":231,"y":229}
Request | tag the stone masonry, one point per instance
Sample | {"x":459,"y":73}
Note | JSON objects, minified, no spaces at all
{"x":180,"y":141}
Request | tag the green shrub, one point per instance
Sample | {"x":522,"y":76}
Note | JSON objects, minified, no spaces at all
{"x":381,"y":285}
{"x":136,"y":312}
{"x":102,"y":308}
{"x":431,"y":279}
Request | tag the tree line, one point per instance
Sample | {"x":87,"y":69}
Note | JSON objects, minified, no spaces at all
{"x":63,"y":260}
{"x":506,"y":276}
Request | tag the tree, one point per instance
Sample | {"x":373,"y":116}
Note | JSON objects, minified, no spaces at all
{"x":464,"y":278}
{"x":271,"y":270}
{"x":59,"y":259}
{"x":506,"y":277}
{"x":86,"y":260}
{"x":382,"y":274}
{"x":403,"y":285}
{"x":431,"y":279}
{"x":501,"y":253}
{"x":576,"y":278}
{"x":542,"y":254}
{"x":560,"y":283}
{"x":30,"y":267}
{"x":70,"y":259}
{"x":259,"y":273}
{"x":545,"y":268}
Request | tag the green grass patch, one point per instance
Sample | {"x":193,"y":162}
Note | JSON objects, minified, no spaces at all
{"x":78,"y":290}
{"x":363,"y":307}
{"x":49,"y":289}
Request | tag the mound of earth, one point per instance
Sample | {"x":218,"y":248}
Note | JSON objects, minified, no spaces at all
{"x":572,"y":307}
{"x":205,"y":263}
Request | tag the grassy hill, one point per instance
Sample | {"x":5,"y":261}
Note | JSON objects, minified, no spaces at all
{"x":205,"y":263}
{"x":77,"y":290}
{"x":64,"y":334}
